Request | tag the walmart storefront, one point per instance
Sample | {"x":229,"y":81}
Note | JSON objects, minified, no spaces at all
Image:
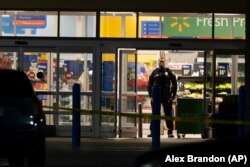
{"x":112,"y":53}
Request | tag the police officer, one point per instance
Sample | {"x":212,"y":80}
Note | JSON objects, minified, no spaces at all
{"x":165,"y":78}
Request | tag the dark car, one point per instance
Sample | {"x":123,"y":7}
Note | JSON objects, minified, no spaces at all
{"x":22,"y":121}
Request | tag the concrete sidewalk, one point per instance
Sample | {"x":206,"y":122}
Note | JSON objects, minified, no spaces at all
{"x":95,"y":152}
{"x":102,"y":152}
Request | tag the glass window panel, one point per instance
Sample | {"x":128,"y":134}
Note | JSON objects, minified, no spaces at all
{"x":108,"y":104}
{"x":128,"y":104}
{"x":175,"y":25}
{"x":241,"y":71}
{"x":8,"y":60}
{"x":108,"y":72}
{"x":188,"y":67}
{"x":108,"y":87}
{"x":78,"y":24}
{"x":72,"y":70}
{"x":29,"y":23}
{"x":48,"y":100}
{"x":65,"y":115}
{"x":229,"y":26}
{"x":118,"y":24}
{"x":130,"y":72}
{"x":223,"y":74}
{"x":34,"y":62}
{"x":147,"y":62}
{"x":75,"y":68}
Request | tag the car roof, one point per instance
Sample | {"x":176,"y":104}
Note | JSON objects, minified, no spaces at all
{"x":15,"y":82}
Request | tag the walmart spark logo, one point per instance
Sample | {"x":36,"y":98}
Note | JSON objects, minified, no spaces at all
{"x":180,"y":23}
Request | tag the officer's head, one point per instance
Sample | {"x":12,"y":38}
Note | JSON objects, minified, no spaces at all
{"x":161,"y":62}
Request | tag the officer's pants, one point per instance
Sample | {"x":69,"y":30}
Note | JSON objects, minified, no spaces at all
{"x":168,"y":111}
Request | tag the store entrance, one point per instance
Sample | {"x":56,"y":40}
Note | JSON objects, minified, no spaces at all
{"x":205,"y":79}
{"x":60,"y":71}
{"x":31,"y":61}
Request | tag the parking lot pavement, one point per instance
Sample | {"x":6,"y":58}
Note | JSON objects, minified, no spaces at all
{"x":100,"y":152}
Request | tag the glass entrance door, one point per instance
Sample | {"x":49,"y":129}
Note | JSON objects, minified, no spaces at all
{"x":32,"y":61}
{"x":135,"y":67}
{"x":227,"y":78}
{"x":127,"y":96}
{"x":229,"y":75}
{"x":108,"y":123}
{"x":74,"y":67}
{"x":60,"y":72}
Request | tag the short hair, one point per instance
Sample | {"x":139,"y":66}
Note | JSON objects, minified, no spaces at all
{"x":161,"y":59}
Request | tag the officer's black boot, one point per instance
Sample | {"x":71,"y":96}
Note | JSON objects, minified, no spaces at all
{"x":170,"y":134}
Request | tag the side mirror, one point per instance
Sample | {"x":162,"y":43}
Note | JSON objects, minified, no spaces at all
{"x":40,"y":75}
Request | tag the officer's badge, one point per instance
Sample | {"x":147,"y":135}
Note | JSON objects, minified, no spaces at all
{"x":166,"y":73}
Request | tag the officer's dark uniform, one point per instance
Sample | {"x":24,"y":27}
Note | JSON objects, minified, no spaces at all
{"x":168,"y":86}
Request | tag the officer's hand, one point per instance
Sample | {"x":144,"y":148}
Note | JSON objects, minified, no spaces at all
{"x":171,"y":100}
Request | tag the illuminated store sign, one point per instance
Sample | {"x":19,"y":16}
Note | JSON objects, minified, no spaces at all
{"x":230,"y":27}
{"x":19,"y":23}
{"x":151,"y":29}
{"x":220,"y":22}
{"x":27,"y":21}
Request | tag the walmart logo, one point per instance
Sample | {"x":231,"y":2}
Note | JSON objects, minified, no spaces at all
{"x":180,"y":23}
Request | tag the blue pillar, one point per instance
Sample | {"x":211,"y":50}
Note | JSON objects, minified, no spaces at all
{"x":156,"y":108}
{"x":242,"y":105}
{"x":76,"y":126}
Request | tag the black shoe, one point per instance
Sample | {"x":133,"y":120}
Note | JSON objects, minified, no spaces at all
{"x":149,"y":135}
{"x":170,"y":135}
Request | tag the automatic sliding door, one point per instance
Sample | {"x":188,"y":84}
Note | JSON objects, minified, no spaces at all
{"x":127,"y":91}
{"x":229,"y":76}
{"x":108,"y":123}
{"x":74,"y":68}
{"x":32,"y":61}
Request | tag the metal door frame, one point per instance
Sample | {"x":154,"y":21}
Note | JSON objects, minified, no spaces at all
{"x":126,"y":131}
